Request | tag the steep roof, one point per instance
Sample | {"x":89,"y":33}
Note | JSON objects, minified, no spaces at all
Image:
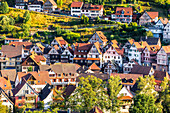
{"x":150,"y":40}
{"x":20,"y":85}
{"x":11,"y":51}
{"x":10,"y":74}
{"x":82,"y":46}
{"x":5,"y":95}
{"x":40,"y":46}
{"x":114,"y":41}
{"x":76,"y":4}
{"x":5,"y":84}
{"x":128,"y":77}
{"x":60,"y":68}
{"x":159,"y":75}
{"x":131,"y":41}
{"x":37,"y":58}
{"x":96,"y":7}
{"x":69,"y":90}
{"x":42,"y":77}
{"x":153,"y":14}
{"x":61,"y":41}
{"x":166,"y":49}
{"x":138,"y":69}
{"x":45,"y":92}
{"x":52,"y":2}
{"x":26,"y":45}
{"x":102,"y":36}
{"x":127,"y":10}
{"x":94,"y":67}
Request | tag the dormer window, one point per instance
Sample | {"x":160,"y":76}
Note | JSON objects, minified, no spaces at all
{"x":117,"y":11}
{"x":128,"y":12}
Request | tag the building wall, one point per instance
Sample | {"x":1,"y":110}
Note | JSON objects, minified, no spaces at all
{"x":166,"y":33}
{"x":144,"y":19}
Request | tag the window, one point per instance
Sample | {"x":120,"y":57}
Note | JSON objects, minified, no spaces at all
{"x":19,"y":98}
{"x":5,"y":85}
{"x":20,"y":104}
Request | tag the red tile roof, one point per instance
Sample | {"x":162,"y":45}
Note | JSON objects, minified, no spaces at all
{"x":27,"y":45}
{"x":125,"y":98}
{"x":102,"y":36}
{"x":153,"y":14}
{"x":127,"y":10}
{"x":166,"y":49}
{"x":76,"y":4}
{"x":94,"y":67}
{"x":96,"y":7}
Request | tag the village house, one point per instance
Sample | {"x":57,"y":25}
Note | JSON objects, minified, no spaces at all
{"x":60,"y":42}
{"x":6,"y":100}
{"x":11,"y":57}
{"x":8,"y":40}
{"x":25,"y":95}
{"x":113,"y":52}
{"x":21,"y":4}
{"x":127,"y":46}
{"x":86,"y":53}
{"x":61,"y":74}
{"x":67,"y":55}
{"x":135,"y":52}
{"x":32,"y":62}
{"x":36,"y":80}
{"x":6,"y":86}
{"x":46,"y":95}
{"x":111,"y":67}
{"x":98,"y":36}
{"x":123,"y":14}
{"x":89,"y":10}
{"x":148,"y":17}
{"x":127,"y":67}
{"x":49,"y":6}
{"x":10,"y":75}
{"x":38,"y":48}
{"x":126,"y":100}
{"x":163,"y":57}
{"x":54,"y":54}
{"x":26,"y":46}
{"x":152,"y":42}
{"x":35,"y":5}
{"x":166,"y":33}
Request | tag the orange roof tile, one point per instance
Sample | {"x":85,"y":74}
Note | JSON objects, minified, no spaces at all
{"x":166,"y":49}
{"x":125,"y":98}
{"x":96,"y":7}
{"x":5,"y":84}
{"x":102,"y":36}
{"x":153,"y":14}
{"x":137,"y":45}
{"x":114,"y":41}
{"x":131,"y":41}
{"x":127,"y":10}
{"x":94,"y":67}
{"x":76,"y":4}
{"x":164,"y":20}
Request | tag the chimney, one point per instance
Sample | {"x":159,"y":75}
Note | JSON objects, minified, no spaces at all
{"x":146,"y":37}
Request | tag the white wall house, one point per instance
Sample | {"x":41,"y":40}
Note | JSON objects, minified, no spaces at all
{"x":134,"y":52}
{"x":112,"y":54}
{"x":35,"y":7}
{"x":127,"y":67}
{"x":8,"y":40}
{"x":166,"y":32}
{"x":76,"y":8}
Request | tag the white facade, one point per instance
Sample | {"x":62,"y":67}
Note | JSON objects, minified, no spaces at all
{"x":47,"y":100}
{"x":166,"y":32}
{"x":133,"y":53}
{"x":6,"y":102}
{"x":76,"y":11}
{"x":35,"y":7}
{"x":111,"y":54}
{"x":127,"y":67}
{"x":8,"y":40}
{"x":36,"y":49}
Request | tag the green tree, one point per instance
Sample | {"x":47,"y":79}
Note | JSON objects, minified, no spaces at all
{"x":40,"y":105}
{"x":27,"y":17}
{"x":144,"y":104}
{"x":97,"y":19}
{"x":146,"y":85}
{"x":89,"y":93}
{"x":4,"y":8}
{"x":123,"y":1}
{"x":149,"y":34}
{"x":3,"y":109}
{"x":25,"y":29}
{"x":84,"y":19}
{"x":60,"y":3}
{"x":30,"y":69}
{"x":114,"y":87}
{"x":165,"y":95}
